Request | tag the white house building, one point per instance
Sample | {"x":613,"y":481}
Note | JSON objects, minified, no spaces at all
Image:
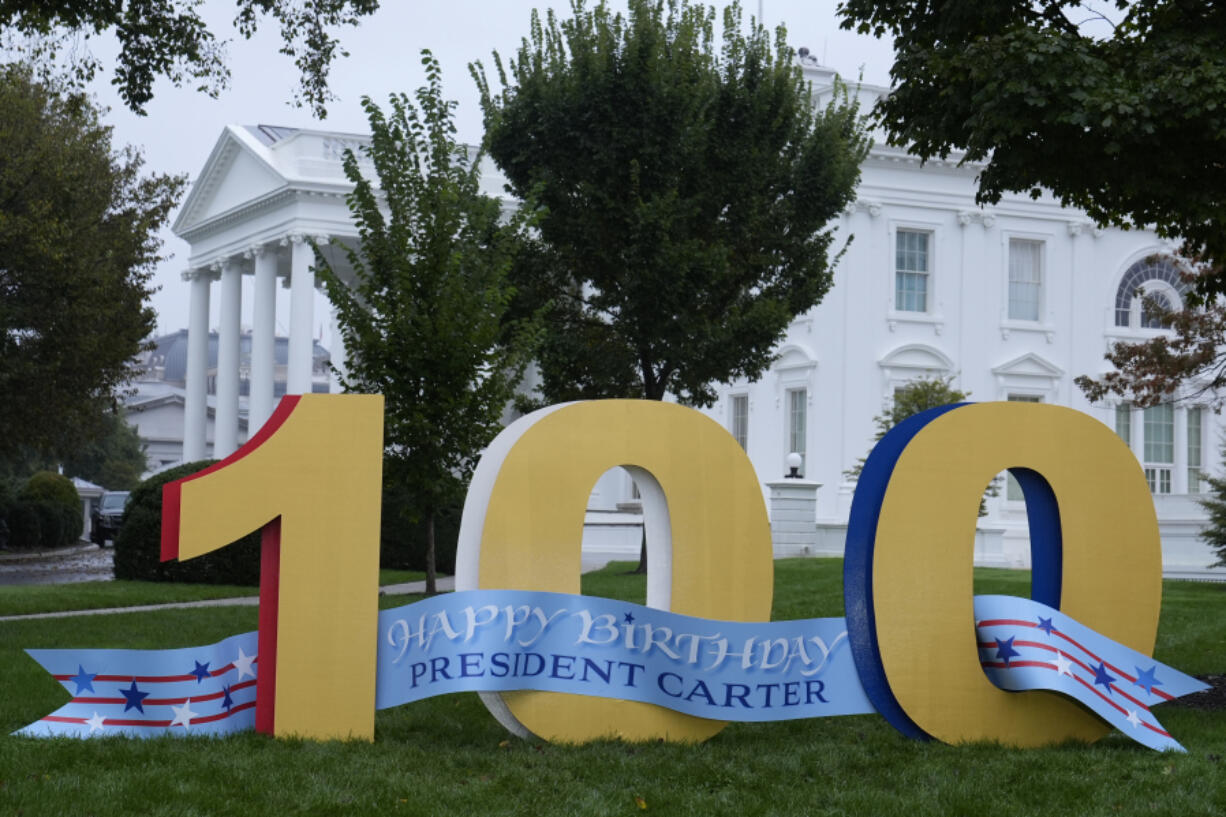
{"x":1012,"y":302}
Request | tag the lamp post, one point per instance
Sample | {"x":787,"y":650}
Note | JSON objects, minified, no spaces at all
{"x":794,"y":461}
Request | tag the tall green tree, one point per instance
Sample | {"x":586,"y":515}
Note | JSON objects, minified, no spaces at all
{"x":686,"y":185}
{"x":423,"y":321}
{"x":1122,"y":118}
{"x":78,"y":245}
{"x":1120,"y":114}
{"x":114,"y":459}
{"x":169,"y":39}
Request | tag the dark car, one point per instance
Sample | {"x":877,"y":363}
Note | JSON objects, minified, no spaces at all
{"x":107,"y":517}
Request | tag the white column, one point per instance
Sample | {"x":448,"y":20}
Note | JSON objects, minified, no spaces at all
{"x":263,"y":334}
{"x":336,"y":352}
{"x":225,"y":432}
{"x":301,"y":315}
{"x":195,"y":410}
{"x":1179,"y":468}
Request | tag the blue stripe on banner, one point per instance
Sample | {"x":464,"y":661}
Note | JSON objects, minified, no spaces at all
{"x":1025,"y":645}
{"x":502,"y":640}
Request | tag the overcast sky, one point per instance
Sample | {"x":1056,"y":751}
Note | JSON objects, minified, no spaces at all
{"x":182,"y":125}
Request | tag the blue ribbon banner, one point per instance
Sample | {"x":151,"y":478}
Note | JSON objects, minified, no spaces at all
{"x":502,"y":640}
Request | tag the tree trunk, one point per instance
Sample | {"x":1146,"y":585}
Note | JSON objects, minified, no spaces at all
{"x":642,"y":568}
{"x":430,"y":588}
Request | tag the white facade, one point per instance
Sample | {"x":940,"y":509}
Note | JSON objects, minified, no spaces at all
{"x":1012,"y":301}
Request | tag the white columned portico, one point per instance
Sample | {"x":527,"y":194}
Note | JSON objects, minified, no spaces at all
{"x":196,"y":385}
{"x":301,"y":315}
{"x":263,"y":343}
{"x":225,"y":433}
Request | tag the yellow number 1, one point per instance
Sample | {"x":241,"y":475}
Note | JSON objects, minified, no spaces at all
{"x":310,"y":480}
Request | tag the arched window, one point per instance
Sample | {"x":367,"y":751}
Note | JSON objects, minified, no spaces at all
{"x":1156,"y":278}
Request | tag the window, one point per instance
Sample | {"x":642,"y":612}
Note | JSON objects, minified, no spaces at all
{"x":1159,"y":430}
{"x":798,"y":408}
{"x":1013,"y":488}
{"x":1194,"y":449}
{"x":1169,"y":291}
{"x":911,"y":271}
{"x":1025,"y":279}
{"x":1155,"y":302}
{"x":1123,"y":422}
{"x":740,"y":419}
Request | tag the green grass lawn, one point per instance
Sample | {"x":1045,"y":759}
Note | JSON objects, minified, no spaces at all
{"x":447,"y":756}
{"x":17,"y":600}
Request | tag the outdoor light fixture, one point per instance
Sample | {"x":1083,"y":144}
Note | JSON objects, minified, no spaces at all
{"x":793,"y":461}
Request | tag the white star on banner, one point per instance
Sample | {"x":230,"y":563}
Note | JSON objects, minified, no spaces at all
{"x":243,"y":664}
{"x":95,"y":723}
{"x":1063,"y":665}
{"x":184,"y":715}
{"x":1133,"y":719}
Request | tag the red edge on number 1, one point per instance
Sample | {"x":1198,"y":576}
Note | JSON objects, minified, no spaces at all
{"x":172,"y":491}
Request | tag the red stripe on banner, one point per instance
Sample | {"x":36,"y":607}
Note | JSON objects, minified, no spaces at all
{"x":1126,"y":676}
{"x":213,"y":696}
{"x":1006,"y":622}
{"x":1157,"y":729}
{"x":1012,"y":664}
{"x":157,"y":724}
{"x":152,"y":679}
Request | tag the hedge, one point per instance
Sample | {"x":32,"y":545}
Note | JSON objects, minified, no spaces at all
{"x":138,"y":547}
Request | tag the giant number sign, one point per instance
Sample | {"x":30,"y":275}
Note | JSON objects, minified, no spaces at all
{"x":917,"y":645}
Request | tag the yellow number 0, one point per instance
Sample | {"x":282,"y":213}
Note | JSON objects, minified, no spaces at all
{"x":523,"y":526}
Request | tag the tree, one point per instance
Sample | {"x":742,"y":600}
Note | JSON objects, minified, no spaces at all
{"x":909,"y":400}
{"x":1187,"y":364}
{"x":685,"y":191}
{"x":78,"y":244}
{"x":1214,"y":534}
{"x":114,"y":459}
{"x":168,"y":38}
{"x":1122,"y":119}
{"x":423,"y":320}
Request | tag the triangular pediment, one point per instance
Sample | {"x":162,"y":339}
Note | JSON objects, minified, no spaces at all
{"x":1029,"y":365}
{"x":235,"y":173}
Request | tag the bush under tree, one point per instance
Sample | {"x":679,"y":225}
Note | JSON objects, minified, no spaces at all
{"x":138,"y":548}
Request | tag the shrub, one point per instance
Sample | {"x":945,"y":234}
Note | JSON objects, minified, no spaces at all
{"x":53,"y":487}
{"x":50,"y":523}
{"x":139,"y":545}
{"x":25,"y":532}
{"x":58,"y":505}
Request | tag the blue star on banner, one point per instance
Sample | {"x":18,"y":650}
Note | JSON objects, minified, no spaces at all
{"x":1146,"y":679}
{"x":1101,"y":676}
{"x":134,"y":698}
{"x":1004,"y":649}
{"x":84,"y":680}
{"x":227,"y":701}
{"x":201,"y":671}
{"x":1045,"y":625}
{"x":629,"y":618}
